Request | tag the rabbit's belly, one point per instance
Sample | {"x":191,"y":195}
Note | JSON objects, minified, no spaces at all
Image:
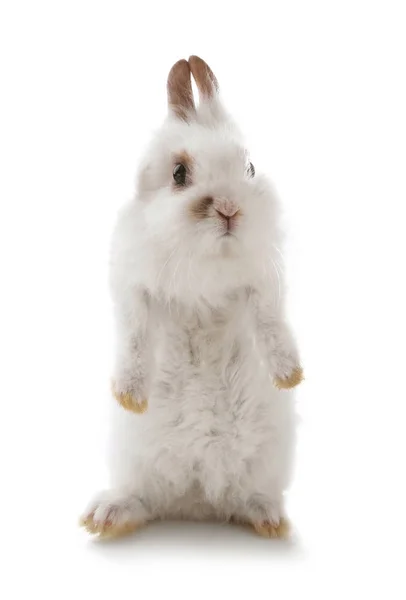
{"x":204,"y":423}
{"x":208,"y":428}
{"x":212,"y":402}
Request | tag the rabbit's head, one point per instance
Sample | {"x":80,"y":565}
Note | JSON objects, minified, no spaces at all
{"x":209,"y":221}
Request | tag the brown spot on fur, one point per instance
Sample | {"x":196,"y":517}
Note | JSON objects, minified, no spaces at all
{"x":199,"y":209}
{"x":294,"y":379}
{"x":205,"y":79}
{"x":179,"y":86}
{"x":106,"y":528}
{"x":185,"y":159}
{"x":271,"y":530}
{"x":127,"y":401}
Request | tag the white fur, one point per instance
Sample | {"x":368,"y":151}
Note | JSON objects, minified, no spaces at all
{"x":201,"y":334}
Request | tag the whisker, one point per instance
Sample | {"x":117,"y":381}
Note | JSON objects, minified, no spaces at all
{"x":158,"y":279}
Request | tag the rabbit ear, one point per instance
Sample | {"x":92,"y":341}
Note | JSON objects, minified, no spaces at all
{"x":205,"y":79}
{"x":180,"y":95}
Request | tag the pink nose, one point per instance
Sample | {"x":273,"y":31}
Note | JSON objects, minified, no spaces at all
{"x":226,"y":208}
{"x":226,"y":216}
{"x":228,"y":212}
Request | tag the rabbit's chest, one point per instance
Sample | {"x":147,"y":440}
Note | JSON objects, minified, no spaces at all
{"x":203,"y":343}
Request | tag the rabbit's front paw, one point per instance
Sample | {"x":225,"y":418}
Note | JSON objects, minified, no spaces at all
{"x":290,"y":379}
{"x":129,"y":399}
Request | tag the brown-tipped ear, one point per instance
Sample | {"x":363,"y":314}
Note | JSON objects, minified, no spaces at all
{"x":180,"y":94}
{"x":205,"y":79}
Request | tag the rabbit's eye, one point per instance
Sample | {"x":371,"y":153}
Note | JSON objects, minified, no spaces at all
{"x":251,"y":170}
{"x":179,"y":174}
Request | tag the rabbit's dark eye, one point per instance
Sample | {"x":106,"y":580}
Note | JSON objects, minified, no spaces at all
{"x":179,"y":174}
{"x":251,"y":170}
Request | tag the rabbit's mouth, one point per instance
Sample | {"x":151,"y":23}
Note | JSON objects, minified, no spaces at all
{"x":228,"y":240}
{"x":227,"y":234}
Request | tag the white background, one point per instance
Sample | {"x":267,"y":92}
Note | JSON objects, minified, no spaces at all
{"x":319,"y":89}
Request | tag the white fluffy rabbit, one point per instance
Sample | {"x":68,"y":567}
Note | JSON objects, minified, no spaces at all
{"x":204,"y":430}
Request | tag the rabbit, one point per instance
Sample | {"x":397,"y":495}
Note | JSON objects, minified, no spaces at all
{"x":204,"y":427}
